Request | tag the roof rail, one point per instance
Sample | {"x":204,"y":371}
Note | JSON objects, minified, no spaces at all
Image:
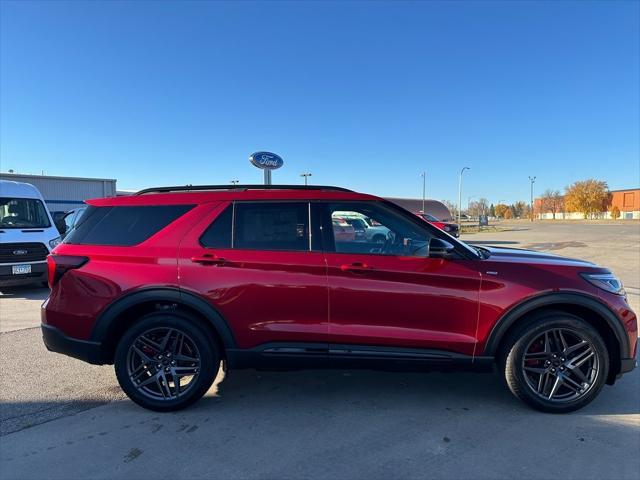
{"x":200,"y":188}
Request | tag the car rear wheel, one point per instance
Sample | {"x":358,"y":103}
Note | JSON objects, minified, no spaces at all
{"x":166,"y":362}
{"x":557,"y":363}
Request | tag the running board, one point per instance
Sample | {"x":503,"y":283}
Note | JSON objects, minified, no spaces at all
{"x":298,"y":356}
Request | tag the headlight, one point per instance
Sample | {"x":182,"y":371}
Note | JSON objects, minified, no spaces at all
{"x":55,"y":242}
{"x":447,"y":228}
{"x":605,"y":281}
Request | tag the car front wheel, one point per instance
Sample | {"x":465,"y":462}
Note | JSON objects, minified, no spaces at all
{"x":166,"y":362}
{"x":557,"y":363}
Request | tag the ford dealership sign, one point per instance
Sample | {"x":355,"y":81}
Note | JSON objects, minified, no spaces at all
{"x":266,"y":160}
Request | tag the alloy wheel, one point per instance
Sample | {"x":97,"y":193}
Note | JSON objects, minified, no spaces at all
{"x":560,"y":365}
{"x":163,"y":363}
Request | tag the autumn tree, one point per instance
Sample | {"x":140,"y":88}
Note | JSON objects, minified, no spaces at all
{"x":552,"y":201}
{"x":507,"y":213}
{"x":500,"y":209}
{"x":615,"y":212}
{"x":588,"y":197}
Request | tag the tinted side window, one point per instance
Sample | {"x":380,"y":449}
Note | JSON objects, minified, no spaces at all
{"x":372,"y":228}
{"x":123,"y":226}
{"x":218,"y":234}
{"x":272,"y":226}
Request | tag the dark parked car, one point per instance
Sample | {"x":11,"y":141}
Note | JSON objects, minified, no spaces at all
{"x":169,"y":282}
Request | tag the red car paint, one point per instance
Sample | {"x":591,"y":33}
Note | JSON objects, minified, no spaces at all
{"x":451,"y":305}
{"x":449,"y":227}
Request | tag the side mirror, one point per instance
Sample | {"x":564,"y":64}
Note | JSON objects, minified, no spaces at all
{"x":439,"y":248}
{"x":61,"y":225}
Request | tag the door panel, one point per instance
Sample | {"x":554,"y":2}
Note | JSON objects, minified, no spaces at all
{"x":403,"y":301}
{"x":265,"y":296}
{"x":388,"y":292}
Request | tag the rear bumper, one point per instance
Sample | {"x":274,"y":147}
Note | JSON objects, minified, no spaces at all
{"x":58,"y":342}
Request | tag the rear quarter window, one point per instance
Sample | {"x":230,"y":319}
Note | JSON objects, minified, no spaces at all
{"x":218,"y":234}
{"x":123,"y":226}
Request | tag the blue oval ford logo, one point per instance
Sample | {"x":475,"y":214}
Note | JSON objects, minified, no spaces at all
{"x":266,"y":160}
{"x":20,"y":252}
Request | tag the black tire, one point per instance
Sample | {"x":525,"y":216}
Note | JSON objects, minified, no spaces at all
{"x":202,"y":345}
{"x":532,"y":388}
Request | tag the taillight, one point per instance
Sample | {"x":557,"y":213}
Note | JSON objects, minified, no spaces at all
{"x":58,"y":265}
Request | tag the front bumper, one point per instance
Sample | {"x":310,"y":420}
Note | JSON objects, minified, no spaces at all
{"x":58,"y":342}
{"x":38,"y":275}
{"x":627,"y":365}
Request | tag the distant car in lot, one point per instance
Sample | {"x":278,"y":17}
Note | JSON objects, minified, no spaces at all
{"x":27,"y":234}
{"x":342,"y":230}
{"x":367,"y":229}
{"x":360,"y":227}
{"x":70,"y":219}
{"x":168,"y":283}
{"x":449,"y":227}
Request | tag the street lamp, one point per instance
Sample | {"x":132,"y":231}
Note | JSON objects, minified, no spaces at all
{"x":532,"y":180}
{"x":460,"y":195}
{"x":235,"y":182}
{"x":424,"y":189}
{"x":306,"y":175}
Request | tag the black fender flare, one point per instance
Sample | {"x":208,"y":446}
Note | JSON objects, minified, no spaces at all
{"x":509,"y":318}
{"x":162,"y":294}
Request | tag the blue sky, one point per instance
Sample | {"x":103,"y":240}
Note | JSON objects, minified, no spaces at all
{"x":363,"y":94}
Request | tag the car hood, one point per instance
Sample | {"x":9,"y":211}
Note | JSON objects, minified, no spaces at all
{"x":532,"y":256}
{"x":28,"y":235}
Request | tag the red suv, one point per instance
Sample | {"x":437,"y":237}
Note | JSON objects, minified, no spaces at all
{"x":167,"y":283}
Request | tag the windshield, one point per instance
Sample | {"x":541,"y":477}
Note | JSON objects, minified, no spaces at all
{"x":358,"y":223}
{"x":23,"y":213}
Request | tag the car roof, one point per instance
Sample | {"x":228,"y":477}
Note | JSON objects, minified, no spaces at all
{"x":188,"y":195}
{"x":10,"y":188}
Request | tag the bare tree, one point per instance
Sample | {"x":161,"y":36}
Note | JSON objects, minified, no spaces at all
{"x":480,"y":207}
{"x":551,"y":201}
{"x":453,"y":207}
{"x":483,"y":206}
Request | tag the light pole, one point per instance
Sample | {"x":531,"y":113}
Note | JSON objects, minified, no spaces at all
{"x":424,"y":189}
{"x":460,"y":195}
{"x":235,"y":182}
{"x":532,"y":180}
{"x":306,"y":175}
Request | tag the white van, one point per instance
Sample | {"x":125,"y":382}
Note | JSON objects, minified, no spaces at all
{"x":27,"y":234}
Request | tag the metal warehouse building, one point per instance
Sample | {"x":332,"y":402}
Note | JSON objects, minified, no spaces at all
{"x":66,"y":193}
{"x":432,"y":207}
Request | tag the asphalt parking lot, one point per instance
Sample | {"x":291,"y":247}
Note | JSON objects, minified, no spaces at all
{"x":65,"y":419}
